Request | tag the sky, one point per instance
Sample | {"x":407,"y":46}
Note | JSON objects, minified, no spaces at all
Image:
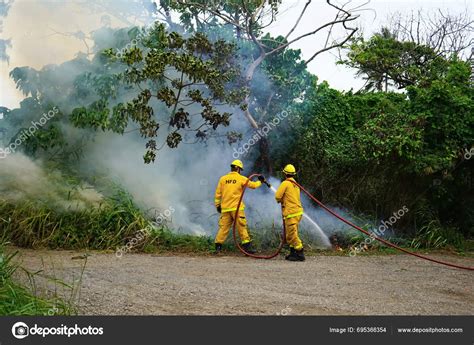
{"x":40,"y":36}
{"x":378,"y":13}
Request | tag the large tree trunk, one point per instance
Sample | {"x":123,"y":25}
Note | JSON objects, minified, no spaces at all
{"x":263,"y":162}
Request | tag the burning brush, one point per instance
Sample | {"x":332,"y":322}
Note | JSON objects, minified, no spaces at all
{"x":339,"y":241}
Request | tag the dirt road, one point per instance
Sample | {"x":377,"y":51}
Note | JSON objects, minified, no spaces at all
{"x":323,"y":285}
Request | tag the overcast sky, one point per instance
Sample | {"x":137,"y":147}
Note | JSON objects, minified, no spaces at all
{"x":378,"y":13}
{"x":31,"y":27}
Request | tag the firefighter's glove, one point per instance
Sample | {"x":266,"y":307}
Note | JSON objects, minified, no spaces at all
{"x":263,"y":180}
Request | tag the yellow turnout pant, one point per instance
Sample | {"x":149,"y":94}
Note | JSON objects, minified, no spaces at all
{"x":225,"y":224}
{"x":291,"y":229}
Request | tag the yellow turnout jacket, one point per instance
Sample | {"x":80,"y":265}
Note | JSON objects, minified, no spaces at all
{"x":229,"y":189}
{"x":288,"y":194}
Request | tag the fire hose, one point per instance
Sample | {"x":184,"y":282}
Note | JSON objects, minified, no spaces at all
{"x":282,"y":239}
{"x":387,"y":243}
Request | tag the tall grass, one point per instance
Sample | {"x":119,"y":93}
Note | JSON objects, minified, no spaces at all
{"x":112,"y":225}
{"x":433,"y":235}
{"x":17,"y":299}
{"x":117,"y":220}
{"x":33,"y":224}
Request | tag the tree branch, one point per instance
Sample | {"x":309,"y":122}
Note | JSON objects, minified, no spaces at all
{"x":336,"y":45}
{"x":298,"y":20}
{"x":347,"y":17}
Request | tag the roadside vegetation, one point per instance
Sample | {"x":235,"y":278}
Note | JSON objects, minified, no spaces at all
{"x":400,"y":141}
{"x":117,"y":220}
{"x":22,"y":298}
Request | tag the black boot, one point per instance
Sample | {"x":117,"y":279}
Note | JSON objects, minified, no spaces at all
{"x":300,"y":254}
{"x":292,"y":255}
{"x":295,"y":255}
{"x":218,"y":248}
{"x":248,"y":247}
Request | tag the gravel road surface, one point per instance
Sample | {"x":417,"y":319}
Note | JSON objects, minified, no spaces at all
{"x":143,"y":284}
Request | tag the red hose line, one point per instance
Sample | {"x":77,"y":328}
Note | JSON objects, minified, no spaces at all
{"x":282,"y":240}
{"x":378,"y":238}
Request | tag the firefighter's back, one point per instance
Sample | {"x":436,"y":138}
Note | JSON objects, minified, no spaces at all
{"x":231,"y":185}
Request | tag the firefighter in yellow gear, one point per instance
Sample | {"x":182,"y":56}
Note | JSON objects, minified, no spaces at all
{"x":228,"y":192}
{"x":288,"y":194}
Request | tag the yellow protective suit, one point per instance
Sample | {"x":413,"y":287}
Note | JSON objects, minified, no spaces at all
{"x":288,"y":194}
{"x":228,"y":192}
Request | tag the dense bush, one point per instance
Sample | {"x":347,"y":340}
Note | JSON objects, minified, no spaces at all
{"x":376,"y":152}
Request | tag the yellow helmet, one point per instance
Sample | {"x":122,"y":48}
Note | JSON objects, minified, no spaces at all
{"x":238,"y":163}
{"x":289,"y":169}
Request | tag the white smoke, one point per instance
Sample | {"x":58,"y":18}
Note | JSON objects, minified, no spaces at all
{"x":23,"y":179}
{"x":184,"y":178}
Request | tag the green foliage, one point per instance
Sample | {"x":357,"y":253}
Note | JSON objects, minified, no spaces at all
{"x":143,"y":78}
{"x":26,"y":80}
{"x":112,"y":225}
{"x":190,"y":12}
{"x":389,"y":133}
{"x":287,"y":74}
{"x":181,"y":73}
{"x":16,"y":299}
{"x":384,"y":60}
{"x":32,"y":224}
{"x":434,"y":236}
{"x":165,"y":240}
{"x":375,"y":152}
{"x":446,"y":111}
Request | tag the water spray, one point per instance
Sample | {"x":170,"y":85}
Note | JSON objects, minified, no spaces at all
{"x":321,"y":233}
{"x":283,"y":235}
{"x":390,"y":244}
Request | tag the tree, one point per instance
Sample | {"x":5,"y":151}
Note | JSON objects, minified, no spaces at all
{"x":383,"y":60}
{"x":183,"y":74}
{"x":248,"y":19}
{"x":162,"y":79}
{"x":442,"y":31}
{"x":376,"y":151}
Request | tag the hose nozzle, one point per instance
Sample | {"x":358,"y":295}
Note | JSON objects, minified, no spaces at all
{"x":262,"y":179}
